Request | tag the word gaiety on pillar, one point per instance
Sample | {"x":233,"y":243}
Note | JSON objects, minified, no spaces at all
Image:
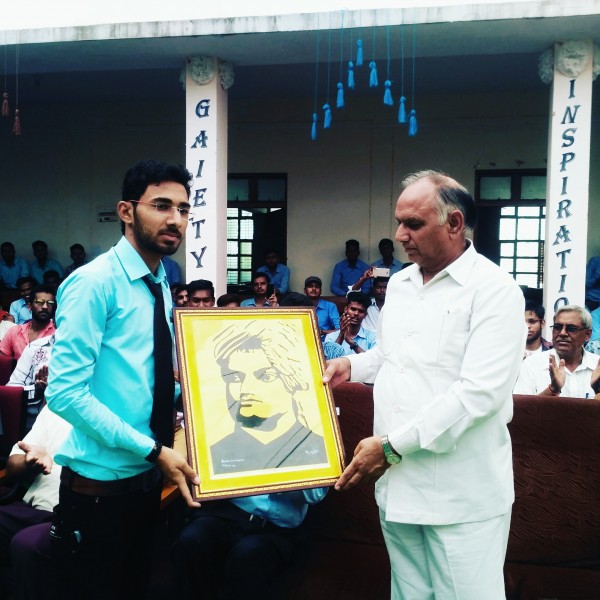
{"x":569,"y":68}
{"x":206,"y":82}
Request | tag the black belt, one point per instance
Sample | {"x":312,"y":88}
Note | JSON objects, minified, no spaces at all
{"x":115,"y":487}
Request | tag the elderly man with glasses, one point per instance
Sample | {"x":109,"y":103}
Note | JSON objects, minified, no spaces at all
{"x":568,"y":369}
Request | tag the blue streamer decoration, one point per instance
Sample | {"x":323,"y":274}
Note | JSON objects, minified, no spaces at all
{"x":359,"y":53}
{"x":327,"y":119}
{"x":350,"y":75}
{"x":340,"y":95}
{"x":313,"y":131}
{"x":387,"y":96}
{"x":373,"y":82}
{"x":402,"y":110}
{"x":412,"y":124}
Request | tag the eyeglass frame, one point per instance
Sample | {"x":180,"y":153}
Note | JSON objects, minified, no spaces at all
{"x":187,"y":217}
{"x":50,"y":303}
{"x":574,"y":328}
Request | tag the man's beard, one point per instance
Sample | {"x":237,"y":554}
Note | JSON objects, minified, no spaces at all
{"x":144,"y":239}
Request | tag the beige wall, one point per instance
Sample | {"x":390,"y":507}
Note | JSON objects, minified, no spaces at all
{"x":70,"y":161}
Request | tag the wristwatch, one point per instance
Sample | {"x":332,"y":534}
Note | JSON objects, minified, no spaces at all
{"x":392,"y":457}
{"x":153,"y":454}
{"x":353,"y":346}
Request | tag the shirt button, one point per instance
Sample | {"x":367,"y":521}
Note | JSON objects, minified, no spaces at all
{"x":410,"y":332}
{"x":401,"y":369}
{"x":396,"y":409}
{"x":420,"y":297}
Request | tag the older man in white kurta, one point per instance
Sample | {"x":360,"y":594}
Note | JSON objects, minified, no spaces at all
{"x":451,"y":336}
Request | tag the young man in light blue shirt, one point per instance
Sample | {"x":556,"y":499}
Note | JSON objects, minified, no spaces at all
{"x":102,"y":381}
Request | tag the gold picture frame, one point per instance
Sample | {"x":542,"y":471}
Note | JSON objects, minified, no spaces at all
{"x":258,"y":418}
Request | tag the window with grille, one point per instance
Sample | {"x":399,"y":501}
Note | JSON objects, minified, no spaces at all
{"x":256,"y":222}
{"x":511,"y":221}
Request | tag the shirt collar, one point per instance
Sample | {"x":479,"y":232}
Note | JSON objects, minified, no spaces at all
{"x":459,"y":269}
{"x":134,"y":264}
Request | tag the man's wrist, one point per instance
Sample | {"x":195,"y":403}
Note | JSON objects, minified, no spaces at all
{"x":552,"y":391}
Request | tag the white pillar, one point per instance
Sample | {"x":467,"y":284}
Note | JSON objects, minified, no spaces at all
{"x":568,"y":176}
{"x":206,"y":83}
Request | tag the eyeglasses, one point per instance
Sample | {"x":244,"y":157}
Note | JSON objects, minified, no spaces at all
{"x":165,"y":207}
{"x":50,"y":303}
{"x":558,"y":327}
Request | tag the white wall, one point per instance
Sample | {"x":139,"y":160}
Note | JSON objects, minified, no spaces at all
{"x":70,"y":160}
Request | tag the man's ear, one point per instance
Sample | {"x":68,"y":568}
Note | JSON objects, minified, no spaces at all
{"x":456,"y":222}
{"x":125,"y":211}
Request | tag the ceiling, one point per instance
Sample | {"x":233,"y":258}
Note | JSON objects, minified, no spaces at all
{"x":484,"y":56}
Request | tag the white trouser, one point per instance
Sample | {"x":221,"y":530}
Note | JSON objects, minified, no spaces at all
{"x":464,"y":561}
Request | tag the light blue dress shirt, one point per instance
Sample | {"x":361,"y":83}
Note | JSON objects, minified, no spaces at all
{"x":37,"y":272}
{"x":344,"y":275}
{"x":281,"y":278}
{"x":286,"y":509}
{"x":365,"y":338}
{"x":9,"y":275}
{"x":328,"y":315}
{"x":18,"y":309}
{"x":101,"y":376}
{"x":251,"y":302}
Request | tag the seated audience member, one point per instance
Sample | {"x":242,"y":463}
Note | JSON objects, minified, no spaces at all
{"x":42,"y":263}
{"x":279,"y":275}
{"x":327,"y":313}
{"x":241,"y":545}
{"x":387,"y":260}
{"x":25,"y":524}
{"x":179,"y":293}
{"x":534,"y":319}
{"x":379,"y":291}
{"x":171,"y":269}
{"x":229,"y":301}
{"x":12,"y":268}
{"x":595,"y":325}
{"x":592,"y":283}
{"x":6,"y":322}
{"x":21,"y":309}
{"x":201,"y":294}
{"x":347,"y":272}
{"x":78,"y":257}
{"x":330,"y":349}
{"x":43,"y":306}
{"x":567,"y":369}
{"x":31,"y":373}
{"x":260,"y":285}
{"x":52,"y":278}
{"x":352,"y":336}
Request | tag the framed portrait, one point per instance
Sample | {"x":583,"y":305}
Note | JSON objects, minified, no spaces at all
{"x":258,"y":418}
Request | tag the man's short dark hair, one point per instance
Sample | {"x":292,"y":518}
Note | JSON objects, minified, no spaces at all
{"x":201,"y":284}
{"x":296,"y":299}
{"x":535,"y":307}
{"x":152,"y":172}
{"x":44,"y":288}
{"x":226,"y":299}
{"x":380,"y":280}
{"x":352,"y":244}
{"x":385,"y":242}
{"x":360,"y":298}
{"x":7,"y":245}
{"x":39,"y":243}
{"x":258,"y":274}
{"x":77,"y":247}
{"x":26,"y":279}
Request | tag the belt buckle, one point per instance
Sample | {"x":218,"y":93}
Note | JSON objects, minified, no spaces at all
{"x":258,"y":521}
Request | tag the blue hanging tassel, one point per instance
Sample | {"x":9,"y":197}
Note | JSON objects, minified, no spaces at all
{"x":327,"y":120}
{"x":359,"y":53}
{"x":313,"y":131}
{"x":373,"y":82}
{"x":402,"y":110}
{"x":340,"y":95}
{"x":412,"y":123}
{"x":350,"y":75}
{"x":387,"y":96}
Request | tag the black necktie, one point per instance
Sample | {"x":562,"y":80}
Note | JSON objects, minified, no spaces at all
{"x":161,"y":421}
